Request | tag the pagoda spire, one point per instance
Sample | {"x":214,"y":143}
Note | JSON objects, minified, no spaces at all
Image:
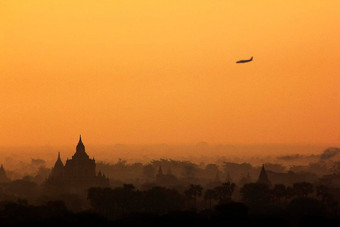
{"x":3,"y":175}
{"x":58,"y":163}
{"x":263,"y":177}
{"x":160,"y":171}
{"x":80,"y":150}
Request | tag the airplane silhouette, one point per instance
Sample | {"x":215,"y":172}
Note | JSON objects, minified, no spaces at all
{"x":245,"y":61}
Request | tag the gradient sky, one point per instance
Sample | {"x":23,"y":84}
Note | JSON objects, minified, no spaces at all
{"x":130,"y":71}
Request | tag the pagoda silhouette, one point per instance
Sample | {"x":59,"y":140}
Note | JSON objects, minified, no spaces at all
{"x":263,"y":177}
{"x":78,"y":174}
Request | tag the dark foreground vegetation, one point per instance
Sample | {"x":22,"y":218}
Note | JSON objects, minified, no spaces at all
{"x":303,"y":204}
{"x":169,"y":193}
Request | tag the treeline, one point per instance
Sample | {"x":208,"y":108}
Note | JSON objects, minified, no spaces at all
{"x":301,"y":199}
{"x":302,"y":204}
{"x":52,"y":213}
{"x":186,"y":172}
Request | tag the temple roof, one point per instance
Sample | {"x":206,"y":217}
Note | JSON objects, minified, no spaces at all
{"x":80,"y":150}
{"x":2,"y":170}
{"x":263,"y":177}
{"x":58,"y":163}
{"x":3,"y":175}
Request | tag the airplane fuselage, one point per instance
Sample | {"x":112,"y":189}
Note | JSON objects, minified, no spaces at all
{"x":245,"y":61}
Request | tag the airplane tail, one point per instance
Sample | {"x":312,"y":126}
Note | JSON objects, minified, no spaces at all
{"x":251,"y":58}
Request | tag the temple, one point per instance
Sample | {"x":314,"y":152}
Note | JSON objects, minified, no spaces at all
{"x":78,"y":174}
{"x":263,"y":177}
{"x":3,"y":175}
{"x":165,"y":180}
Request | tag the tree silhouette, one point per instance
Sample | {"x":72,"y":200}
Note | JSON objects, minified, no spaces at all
{"x":225,"y":191}
{"x":305,"y":206}
{"x":149,"y":171}
{"x":327,"y":199}
{"x":193,"y":192}
{"x":210,"y":195}
{"x":289,"y":193}
{"x":126,"y":198}
{"x":279,"y":191}
{"x":162,"y":200}
{"x":302,"y":189}
{"x":256,"y":195}
{"x":101,"y":199}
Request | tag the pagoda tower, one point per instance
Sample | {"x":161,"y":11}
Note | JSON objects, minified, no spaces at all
{"x":263,"y":177}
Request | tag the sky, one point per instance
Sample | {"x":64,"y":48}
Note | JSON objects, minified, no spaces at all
{"x":145,"y":72}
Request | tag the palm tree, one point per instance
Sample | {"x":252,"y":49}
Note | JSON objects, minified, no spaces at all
{"x":193,"y":192}
{"x":209,"y":194}
{"x":225,"y":191}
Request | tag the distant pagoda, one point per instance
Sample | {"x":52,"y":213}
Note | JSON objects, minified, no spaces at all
{"x":263,"y":177}
{"x":3,"y":175}
{"x":79,"y":173}
{"x":167,"y":179}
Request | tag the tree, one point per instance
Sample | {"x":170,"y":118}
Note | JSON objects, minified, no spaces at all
{"x":189,"y":170}
{"x":193,"y":192}
{"x":279,"y":191}
{"x":149,"y":171}
{"x":289,"y":193}
{"x":162,"y":200}
{"x":302,"y":189}
{"x":101,"y":200}
{"x":305,"y":206}
{"x":335,"y":169}
{"x":225,"y":191}
{"x":322,"y":192}
{"x":127,"y":199}
{"x":327,"y":199}
{"x":256,"y":195}
{"x":210,"y":195}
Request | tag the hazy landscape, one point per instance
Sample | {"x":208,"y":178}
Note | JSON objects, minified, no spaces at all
{"x":18,"y":160}
{"x":168,"y":113}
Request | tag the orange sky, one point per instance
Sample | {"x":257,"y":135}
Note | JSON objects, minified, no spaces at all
{"x":129,"y":71}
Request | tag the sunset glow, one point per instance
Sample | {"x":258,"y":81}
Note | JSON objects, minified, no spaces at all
{"x":143,"y":72}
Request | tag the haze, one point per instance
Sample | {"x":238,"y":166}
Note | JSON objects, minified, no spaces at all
{"x":144,"y":72}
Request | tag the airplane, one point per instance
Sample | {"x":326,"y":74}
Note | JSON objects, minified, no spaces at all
{"x":245,"y":61}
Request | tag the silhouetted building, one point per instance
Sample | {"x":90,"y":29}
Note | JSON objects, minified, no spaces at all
{"x":160,"y":173}
{"x":78,"y":174}
{"x":3,"y":175}
{"x":58,"y":169}
{"x":166,"y":180}
{"x":263,"y":177}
